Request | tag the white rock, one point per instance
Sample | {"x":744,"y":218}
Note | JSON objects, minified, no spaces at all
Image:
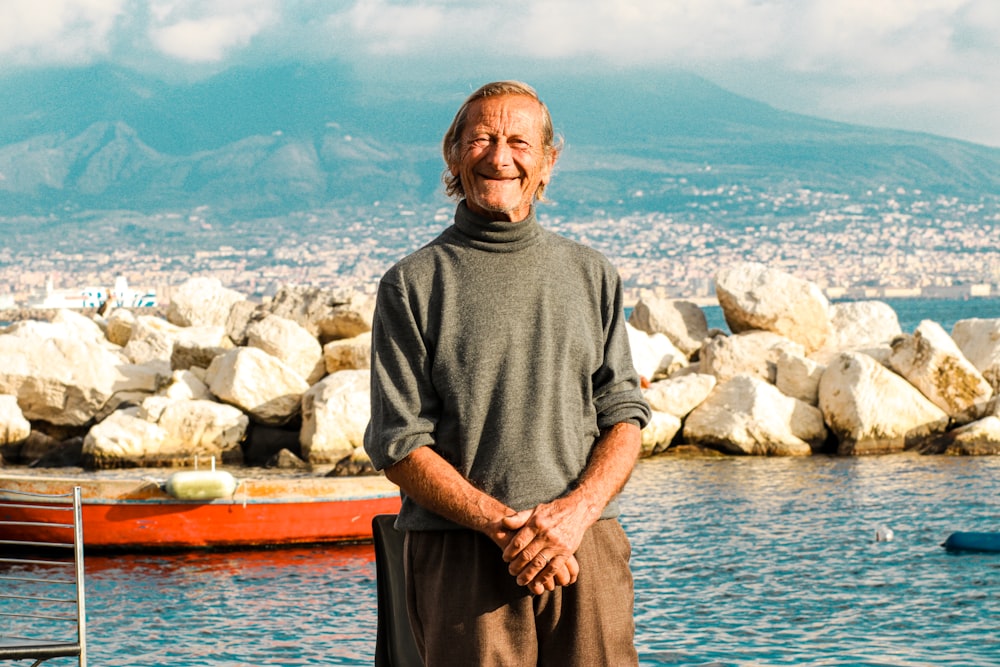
{"x":122,"y":437}
{"x":979,"y":340}
{"x":335,"y":412}
{"x":932,"y":362}
{"x":980,"y":438}
{"x":119,"y":326}
{"x":241,"y":315}
{"x":59,"y":380}
{"x":79,"y":325}
{"x":257,"y":383}
{"x":197,"y":427}
{"x":749,"y":353}
{"x":797,"y":376}
{"x":328,"y":314}
{"x":13,"y":426}
{"x":683,"y":322}
{"x":152,"y":339}
{"x":65,"y":324}
{"x":753,"y":296}
{"x":186,"y":385}
{"x":746,"y":415}
{"x":857,"y":326}
{"x":348,"y":353}
{"x":659,"y":433}
{"x":197,"y":346}
{"x":653,"y":355}
{"x":680,"y":394}
{"x":201,"y":301}
{"x":290,"y":342}
{"x":872,"y":410}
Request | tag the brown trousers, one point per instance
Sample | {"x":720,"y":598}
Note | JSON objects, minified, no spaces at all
{"x":467,"y":610}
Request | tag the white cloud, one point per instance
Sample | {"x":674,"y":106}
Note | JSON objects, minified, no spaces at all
{"x":200,"y":32}
{"x":57,"y":31}
{"x":930,"y":64}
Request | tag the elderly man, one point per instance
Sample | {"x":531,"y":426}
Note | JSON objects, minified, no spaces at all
{"x":506,"y":407}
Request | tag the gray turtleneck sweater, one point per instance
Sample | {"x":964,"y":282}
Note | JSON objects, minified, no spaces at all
{"x":502,"y":346}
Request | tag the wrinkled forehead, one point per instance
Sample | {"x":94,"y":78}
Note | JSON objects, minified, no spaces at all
{"x":506,"y":114}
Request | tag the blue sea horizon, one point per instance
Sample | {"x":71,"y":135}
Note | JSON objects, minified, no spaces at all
{"x":910,"y":311}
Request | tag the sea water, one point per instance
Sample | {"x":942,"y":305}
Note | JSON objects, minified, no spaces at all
{"x":911,"y":311}
{"x":737,"y":561}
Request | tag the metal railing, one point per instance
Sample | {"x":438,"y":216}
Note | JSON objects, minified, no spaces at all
{"x":42,"y":603}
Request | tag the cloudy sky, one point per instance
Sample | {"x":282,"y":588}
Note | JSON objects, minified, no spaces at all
{"x":926,"y":65}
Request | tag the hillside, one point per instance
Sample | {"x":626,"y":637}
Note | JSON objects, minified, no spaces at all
{"x":291,"y":138}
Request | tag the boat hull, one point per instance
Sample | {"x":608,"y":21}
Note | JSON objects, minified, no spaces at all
{"x":980,"y":542}
{"x":137,"y":514}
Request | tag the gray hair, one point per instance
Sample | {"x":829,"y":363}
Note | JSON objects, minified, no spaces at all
{"x":451,"y":146}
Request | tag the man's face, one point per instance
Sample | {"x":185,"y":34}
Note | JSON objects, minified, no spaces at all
{"x":502,"y":160}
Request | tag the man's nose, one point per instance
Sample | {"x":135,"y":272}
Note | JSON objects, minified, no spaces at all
{"x":499,"y":153}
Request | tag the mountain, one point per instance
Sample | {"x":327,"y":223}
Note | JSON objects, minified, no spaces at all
{"x":267,"y":141}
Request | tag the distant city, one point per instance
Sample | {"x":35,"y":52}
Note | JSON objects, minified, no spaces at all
{"x":886,"y":242}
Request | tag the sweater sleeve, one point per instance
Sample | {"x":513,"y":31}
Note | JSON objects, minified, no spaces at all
{"x":617,"y":392}
{"x":404,"y":404}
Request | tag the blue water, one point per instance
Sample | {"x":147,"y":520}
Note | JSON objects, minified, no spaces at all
{"x":910,"y":312}
{"x":737,"y":561}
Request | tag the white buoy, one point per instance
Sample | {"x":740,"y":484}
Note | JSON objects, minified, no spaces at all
{"x":201,"y":484}
{"x":883,"y":534}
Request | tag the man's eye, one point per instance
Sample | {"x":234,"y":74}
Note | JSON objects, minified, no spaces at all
{"x":480,"y":141}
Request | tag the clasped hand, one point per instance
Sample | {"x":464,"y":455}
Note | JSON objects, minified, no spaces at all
{"x":541,"y":543}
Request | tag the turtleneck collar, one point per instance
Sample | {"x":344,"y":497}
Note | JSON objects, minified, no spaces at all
{"x":493,"y":235}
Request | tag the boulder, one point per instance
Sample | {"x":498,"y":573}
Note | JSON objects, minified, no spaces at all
{"x":859,"y":325}
{"x":979,"y":341}
{"x":746,"y":415}
{"x":753,"y":296}
{"x":797,"y":376}
{"x":121,"y":440}
{"x":14,"y":427}
{"x":932,"y":362}
{"x":119,"y":325}
{"x":748,"y":353}
{"x":196,"y":347}
{"x":653,"y":355}
{"x":659,"y":433}
{"x":202,"y":301}
{"x":59,"y":380}
{"x":241,"y":315}
{"x":135,"y":383}
{"x":680,"y":394}
{"x":328,"y":314}
{"x":290,"y":342}
{"x":197,"y":428}
{"x":257,"y":383}
{"x":348,"y":353}
{"x":286,"y":460}
{"x":872,"y":410}
{"x":186,"y":385}
{"x":152,"y":339}
{"x":79,"y":326}
{"x":980,"y":438}
{"x":355,"y":464}
{"x":335,"y":412}
{"x":43,"y":451}
{"x":683,"y":322}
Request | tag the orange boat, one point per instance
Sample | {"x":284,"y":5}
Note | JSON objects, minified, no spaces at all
{"x":151,"y":509}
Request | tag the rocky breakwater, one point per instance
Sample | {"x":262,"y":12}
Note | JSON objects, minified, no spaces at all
{"x":284,"y":383}
{"x":799,"y":375}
